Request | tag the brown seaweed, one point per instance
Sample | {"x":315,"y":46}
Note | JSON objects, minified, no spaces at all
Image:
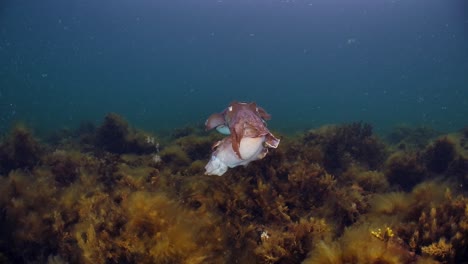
{"x":331,"y":195}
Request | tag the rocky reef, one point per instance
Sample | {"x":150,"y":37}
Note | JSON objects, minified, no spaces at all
{"x":337,"y":194}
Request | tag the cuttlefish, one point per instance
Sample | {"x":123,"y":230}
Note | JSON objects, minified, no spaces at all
{"x":248,"y":137}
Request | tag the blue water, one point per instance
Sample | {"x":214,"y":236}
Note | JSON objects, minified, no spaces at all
{"x":165,"y":64}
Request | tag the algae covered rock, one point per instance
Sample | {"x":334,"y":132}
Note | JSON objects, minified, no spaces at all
{"x":20,"y":150}
{"x":115,"y":135}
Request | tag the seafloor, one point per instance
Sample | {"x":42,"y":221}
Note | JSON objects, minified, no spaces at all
{"x":338,"y":194}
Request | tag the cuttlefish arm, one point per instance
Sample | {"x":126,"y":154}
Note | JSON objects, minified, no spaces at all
{"x":263,"y":114}
{"x":271,"y":141}
{"x":237,"y":133}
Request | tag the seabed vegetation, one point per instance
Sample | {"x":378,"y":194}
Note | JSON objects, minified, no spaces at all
{"x":337,"y":194}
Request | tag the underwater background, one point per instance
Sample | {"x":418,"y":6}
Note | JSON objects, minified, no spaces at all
{"x":164,"y":64}
{"x":104,"y":155}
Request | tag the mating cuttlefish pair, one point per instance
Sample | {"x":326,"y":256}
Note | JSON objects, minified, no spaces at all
{"x":248,"y":140}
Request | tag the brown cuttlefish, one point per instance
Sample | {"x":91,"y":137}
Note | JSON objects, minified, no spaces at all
{"x":248,"y":140}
